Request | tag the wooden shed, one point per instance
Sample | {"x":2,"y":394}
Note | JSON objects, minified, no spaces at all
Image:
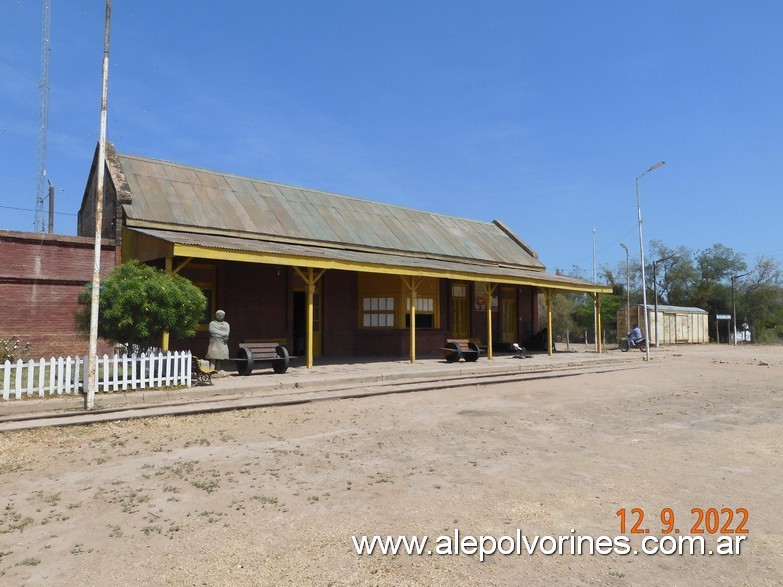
{"x":672,"y":324}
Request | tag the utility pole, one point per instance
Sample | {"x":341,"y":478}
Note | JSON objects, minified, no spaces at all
{"x":595,"y":305}
{"x":92,"y":380}
{"x":641,"y":253}
{"x":627,"y":288}
{"x":43,"y":119}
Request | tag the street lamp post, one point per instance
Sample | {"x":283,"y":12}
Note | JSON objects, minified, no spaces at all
{"x":627,"y":288}
{"x":655,"y":292}
{"x":734,"y":303}
{"x":641,"y":252}
{"x":595,"y":305}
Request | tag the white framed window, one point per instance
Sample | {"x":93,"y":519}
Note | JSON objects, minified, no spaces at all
{"x":425,"y":312}
{"x":378,"y":312}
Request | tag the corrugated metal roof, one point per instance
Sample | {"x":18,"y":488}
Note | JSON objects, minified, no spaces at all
{"x":172,"y":195}
{"x":675,"y":309}
{"x":496,"y":271}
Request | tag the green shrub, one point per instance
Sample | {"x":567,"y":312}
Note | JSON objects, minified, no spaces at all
{"x":10,"y":351}
{"x":138,"y":303}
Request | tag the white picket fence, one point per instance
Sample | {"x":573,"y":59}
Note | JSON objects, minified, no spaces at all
{"x":64,"y":376}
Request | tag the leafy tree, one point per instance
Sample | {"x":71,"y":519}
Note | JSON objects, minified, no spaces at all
{"x":712,"y":288}
{"x":718,"y":263}
{"x":563,"y":307}
{"x":760,"y":301}
{"x":138,"y":303}
{"x":573,"y":313}
{"x":675,"y":277}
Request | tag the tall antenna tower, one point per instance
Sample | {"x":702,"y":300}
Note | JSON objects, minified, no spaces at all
{"x":41,"y":190}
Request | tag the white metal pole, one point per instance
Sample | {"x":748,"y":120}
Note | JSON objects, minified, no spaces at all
{"x":595,"y":305}
{"x":641,"y":252}
{"x":92,"y":377}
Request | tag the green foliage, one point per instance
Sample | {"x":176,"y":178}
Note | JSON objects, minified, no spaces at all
{"x":10,"y":351}
{"x":138,"y":303}
{"x":573,"y":313}
{"x":704,"y":280}
{"x":759,"y":301}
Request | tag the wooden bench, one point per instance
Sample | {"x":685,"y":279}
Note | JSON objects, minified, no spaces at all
{"x":458,"y":348}
{"x":250,"y":354}
{"x":200,"y":374}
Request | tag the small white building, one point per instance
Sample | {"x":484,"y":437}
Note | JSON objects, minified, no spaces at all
{"x":672,"y":324}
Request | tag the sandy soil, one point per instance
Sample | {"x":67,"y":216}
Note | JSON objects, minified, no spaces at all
{"x":274,"y":496}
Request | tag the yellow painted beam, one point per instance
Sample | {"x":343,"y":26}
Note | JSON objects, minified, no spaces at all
{"x":182,"y":265}
{"x":204,"y":252}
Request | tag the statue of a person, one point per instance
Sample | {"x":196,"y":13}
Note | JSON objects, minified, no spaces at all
{"x":218,"y":339}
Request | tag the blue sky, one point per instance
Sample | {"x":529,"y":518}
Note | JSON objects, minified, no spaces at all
{"x":538,"y":113}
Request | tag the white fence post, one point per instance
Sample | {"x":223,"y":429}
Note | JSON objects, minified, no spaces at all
{"x":6,"y":379}
{"x":30,"y":379}
{"x":106,"y":374}
{"x":19,"y":365}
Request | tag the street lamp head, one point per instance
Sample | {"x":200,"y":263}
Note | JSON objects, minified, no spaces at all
{"x":657,"y":261}
{"x":653,"y":168}
{"x":623,"y":246}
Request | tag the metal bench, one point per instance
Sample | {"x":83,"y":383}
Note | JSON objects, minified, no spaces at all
{"x":251,"y":354}
{"x":459,"y":348}
{"x":200,"y":374}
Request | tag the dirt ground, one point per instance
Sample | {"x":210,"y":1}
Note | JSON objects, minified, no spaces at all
{"x":274,"y":496}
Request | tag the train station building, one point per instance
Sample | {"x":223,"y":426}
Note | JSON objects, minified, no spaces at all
{"x":325,"y":274}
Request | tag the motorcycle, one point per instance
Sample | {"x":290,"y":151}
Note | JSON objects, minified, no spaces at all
{"x":628,"y":343}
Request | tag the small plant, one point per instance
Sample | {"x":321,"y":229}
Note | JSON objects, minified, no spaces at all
{"x":116,"y":532}
{"x":52,"y":499}
{"x":10,"y":351}
{"x":208,"y":486}
{"x":211,"y":517}
{"x":264,"y":499}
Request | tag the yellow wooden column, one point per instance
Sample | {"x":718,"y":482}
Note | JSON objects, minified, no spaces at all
{"x":412,"y":283}
{"x":597,"y":299}
{"x":600,"y":329}
{"x":489,"y":290}
{"x":164,"y":343}
{"x":310,"y":280}
{"x":548,"y":293}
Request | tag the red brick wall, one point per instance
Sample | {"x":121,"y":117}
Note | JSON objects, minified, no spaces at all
{"x":41,"y":277}
{"x":340,"y":313}
{"x":256,"y":302}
